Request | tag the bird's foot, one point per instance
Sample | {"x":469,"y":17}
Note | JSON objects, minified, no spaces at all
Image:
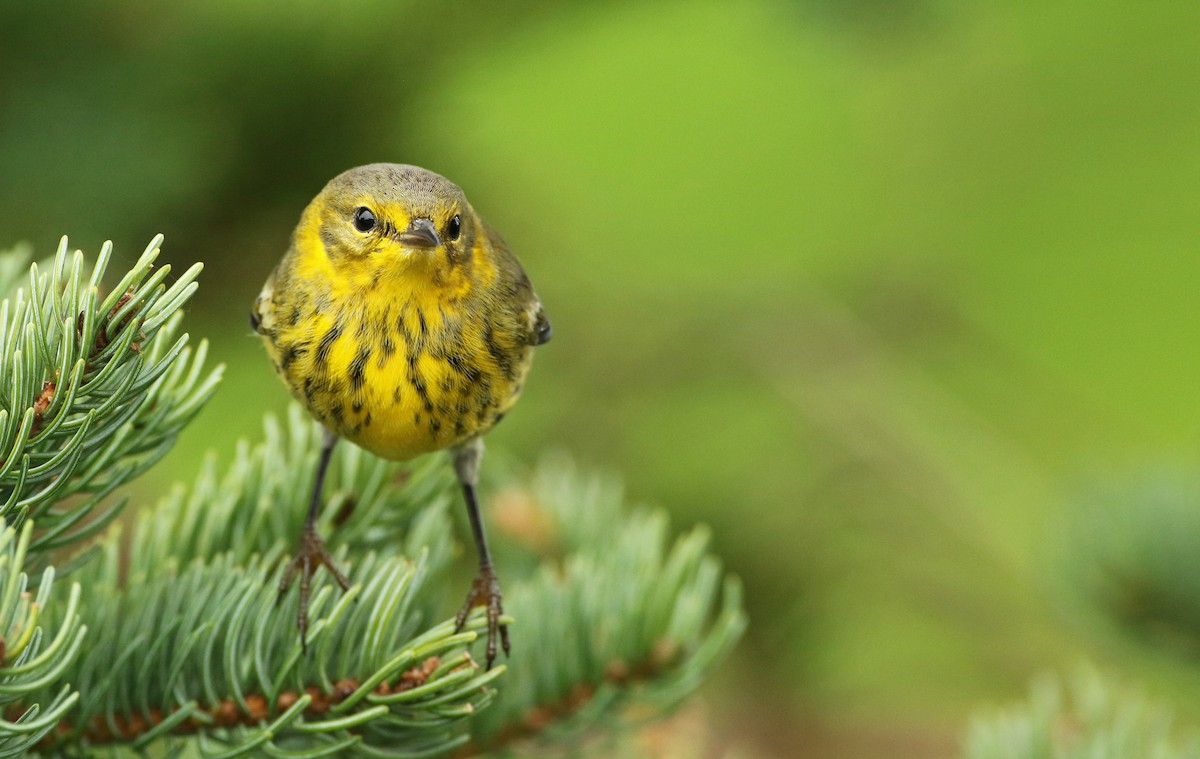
{"x":485,"y":591}
{"x":311,"y":555}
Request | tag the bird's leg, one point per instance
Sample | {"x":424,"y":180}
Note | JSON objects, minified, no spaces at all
{"x":485,"y":589}
{"x":312,"y":553}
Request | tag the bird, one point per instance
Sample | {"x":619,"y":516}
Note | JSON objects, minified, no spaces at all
{"x":403,"y":323}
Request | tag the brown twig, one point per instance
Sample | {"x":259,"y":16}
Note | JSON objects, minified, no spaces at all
{"x":103,"y":339}
{"x":42,"y":403}
{"x":227,"y":713}
{"x":542,"y":716}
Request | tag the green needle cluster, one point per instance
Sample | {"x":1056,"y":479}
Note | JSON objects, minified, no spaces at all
{"x":95,"y":388}
{"x":172,"y":639}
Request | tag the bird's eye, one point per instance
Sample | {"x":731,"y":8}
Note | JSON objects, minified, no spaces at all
{"x":454,"y":228}
{"x":364,"y":220}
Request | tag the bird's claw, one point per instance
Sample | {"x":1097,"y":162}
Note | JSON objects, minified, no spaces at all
{"x":310,"y":556}
{"x":485,"y":591}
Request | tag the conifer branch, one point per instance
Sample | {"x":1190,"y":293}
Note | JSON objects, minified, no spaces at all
{"x":33,"y":656}
{"x":630,"y":620}
{"x":1095,"y":718}
{"x":95,"y":389}
{"x":256,"y":506}
{"x":627,"y":620}
{"x":186,"y":644}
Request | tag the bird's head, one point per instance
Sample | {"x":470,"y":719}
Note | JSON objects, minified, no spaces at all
{"x":388,"y":219}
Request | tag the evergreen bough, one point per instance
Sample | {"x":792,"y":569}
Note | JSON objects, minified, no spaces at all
{"x":169,"y":640}
{"x":1092,"y":719}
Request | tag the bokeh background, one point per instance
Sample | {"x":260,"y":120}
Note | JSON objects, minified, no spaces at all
{"x":900,"y":297}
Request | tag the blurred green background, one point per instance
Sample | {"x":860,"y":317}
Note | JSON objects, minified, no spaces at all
{"x":876,"y":289}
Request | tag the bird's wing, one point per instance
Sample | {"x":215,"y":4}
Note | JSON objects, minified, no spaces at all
{"x":528,"y":308}
{"x":541,"y":324}
{"x":260,"y":311}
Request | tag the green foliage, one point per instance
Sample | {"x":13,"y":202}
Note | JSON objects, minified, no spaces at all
{"x":370,"y":504}
{"x":187,"y":646}
{"x":860,"y":295}
{"x":1130,"y":574}
{"x":1098,"y":721}
{"x":1132,"y":563}
{"x":618,"y":613}
{"x":209,"y":645}
{"x":637,"y":618}
{"x":33,"y":655}
{"x":96,"y":388}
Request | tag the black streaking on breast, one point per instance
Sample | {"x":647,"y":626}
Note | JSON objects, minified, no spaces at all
{"x":386,"y":349}
{"x":358,"y":367}
{"x":326,"y":343}
{"x":459,"y":364}
{"x":289,"y":354}
{"x":500,"y":356}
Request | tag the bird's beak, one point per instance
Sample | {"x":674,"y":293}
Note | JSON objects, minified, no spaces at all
{"x":420,"y":234}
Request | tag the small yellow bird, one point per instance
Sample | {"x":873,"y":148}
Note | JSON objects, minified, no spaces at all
{"x":400,"y":319}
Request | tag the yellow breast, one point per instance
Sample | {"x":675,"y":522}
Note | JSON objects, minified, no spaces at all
{"x":397,"y":371}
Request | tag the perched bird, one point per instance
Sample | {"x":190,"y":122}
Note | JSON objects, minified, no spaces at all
{"x":402,"y":322}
